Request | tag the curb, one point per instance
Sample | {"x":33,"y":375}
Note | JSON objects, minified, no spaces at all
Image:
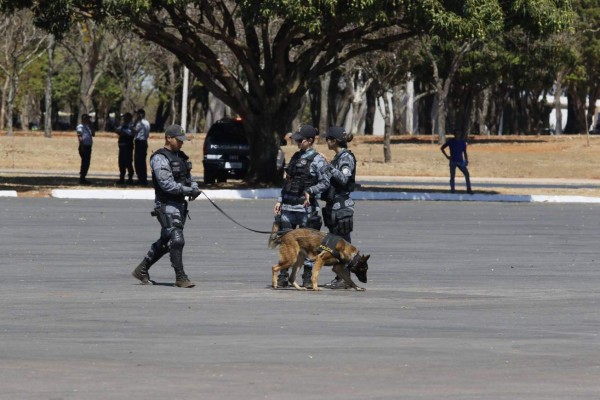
{"x":257,"y":194}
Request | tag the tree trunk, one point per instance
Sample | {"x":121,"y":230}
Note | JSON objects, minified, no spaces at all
{"x":483,"y":112}
{"x":360,"y":88}
{"x":3,"y":105}
{"x":48,"y":92}
{"x":398,"y":110}
{"x":576,"y":113}
{"x":85,"y":90}
{"x":441,"y":120}
{"x":370,"y":111}
{"x":264,"y":132}
{"x":324,"y":110}
{"x":387,"y":130}
{"x":12,"y":94}
{"x":557,"y":106}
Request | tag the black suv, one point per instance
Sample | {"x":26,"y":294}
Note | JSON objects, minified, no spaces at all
{"x":227,"y":152}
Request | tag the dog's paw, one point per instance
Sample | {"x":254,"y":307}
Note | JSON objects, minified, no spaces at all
{"x":316,"y":288}
{"x":360,"y":289}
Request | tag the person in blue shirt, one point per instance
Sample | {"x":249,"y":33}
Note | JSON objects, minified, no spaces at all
{"x":458,"y":148}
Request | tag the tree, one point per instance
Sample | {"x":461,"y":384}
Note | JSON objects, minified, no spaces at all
{"x":90,"y":46}
{"x":22,"y":44}
{"x":48,"y":89}
{"x":281,"y":47}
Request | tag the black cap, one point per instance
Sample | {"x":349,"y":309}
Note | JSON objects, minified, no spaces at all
{"x":336,"y":132}
{"x":177,"y":132}
{"x":305,"y":132}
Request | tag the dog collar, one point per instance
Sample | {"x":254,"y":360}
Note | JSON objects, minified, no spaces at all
{"x":353,"y":263}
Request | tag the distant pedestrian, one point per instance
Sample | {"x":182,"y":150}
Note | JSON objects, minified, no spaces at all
{"x":141,"y":131}
{"x":125,"y":132}
{"x":458,"y":149}
{"x":85,"y":133}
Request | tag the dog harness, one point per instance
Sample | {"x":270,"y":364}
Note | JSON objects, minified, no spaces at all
{"x":329,"y":244}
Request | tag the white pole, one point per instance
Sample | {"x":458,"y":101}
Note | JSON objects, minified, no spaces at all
{"x":184,"y":98}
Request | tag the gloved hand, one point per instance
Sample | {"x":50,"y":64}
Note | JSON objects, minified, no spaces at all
{"x":195,"y":191}
{"x":191,"y":191}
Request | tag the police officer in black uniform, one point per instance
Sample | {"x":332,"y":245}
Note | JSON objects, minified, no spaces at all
{"x":306,"y":179}
{"x":338,"y":213}
{"x":172,"y":180}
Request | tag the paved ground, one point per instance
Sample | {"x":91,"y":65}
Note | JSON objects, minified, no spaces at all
{"x":464,"y":301}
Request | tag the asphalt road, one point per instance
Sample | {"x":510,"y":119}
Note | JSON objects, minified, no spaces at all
{"x":464,"y":301}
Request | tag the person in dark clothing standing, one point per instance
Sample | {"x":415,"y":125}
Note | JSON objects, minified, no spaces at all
{"x":172,"y":180}
{"x":338,"y":213}
{"x":125,"y":143}
{"x":306,"y":178}
{"x":141,"y":130}
{"x":458,"y":148}
{"x":85,"y":134}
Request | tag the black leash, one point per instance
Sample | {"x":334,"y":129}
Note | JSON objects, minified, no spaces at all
{"x":231,"y":219}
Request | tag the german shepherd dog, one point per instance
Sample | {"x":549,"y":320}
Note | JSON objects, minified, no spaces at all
{"x":325,"y":249}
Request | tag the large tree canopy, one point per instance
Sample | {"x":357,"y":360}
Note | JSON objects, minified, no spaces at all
{"x":260,"y":57}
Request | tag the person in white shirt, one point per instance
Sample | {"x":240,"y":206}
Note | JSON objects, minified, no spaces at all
{"x":85,"y":133}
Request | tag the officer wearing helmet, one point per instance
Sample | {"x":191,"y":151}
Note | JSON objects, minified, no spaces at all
{"x":172,"y":180}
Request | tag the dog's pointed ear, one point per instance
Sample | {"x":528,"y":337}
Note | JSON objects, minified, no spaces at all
{"x":366,"y":257}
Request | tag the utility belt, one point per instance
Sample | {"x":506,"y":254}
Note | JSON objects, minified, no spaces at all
{"x":292,"y":200}
{"x":340,"y":201}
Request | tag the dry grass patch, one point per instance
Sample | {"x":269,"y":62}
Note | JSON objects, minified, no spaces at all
{"x":564,"y":157}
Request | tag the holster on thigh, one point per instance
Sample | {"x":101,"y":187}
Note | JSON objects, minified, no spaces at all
{"x":161,"y":216}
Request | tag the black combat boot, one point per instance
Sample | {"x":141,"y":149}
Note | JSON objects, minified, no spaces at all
{"x":307,"y":278}
{"x":283,"y":279}
{"x":337,"y":283}
{"x":141,"y":273}
{"x":182,"y":280}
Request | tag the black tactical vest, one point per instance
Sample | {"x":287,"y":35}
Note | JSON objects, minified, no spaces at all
{"x":298,"y":179}
{"x":351,"y":183}
{"x":181,"y":167}
{"x":337,"y":191}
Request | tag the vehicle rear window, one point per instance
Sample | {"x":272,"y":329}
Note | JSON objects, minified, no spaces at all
{"x":227,"y":133}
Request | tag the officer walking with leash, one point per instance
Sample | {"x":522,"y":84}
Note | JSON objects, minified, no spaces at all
{"x":172,"y":180}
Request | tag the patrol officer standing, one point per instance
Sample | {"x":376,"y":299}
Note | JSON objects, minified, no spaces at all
{"x":141,"y":130}
{"x":306,"y":179}
{"x":85,"y":134}
{"x":172,"y":180}
{"x":338,"y":213}
{"x":125,"y":143}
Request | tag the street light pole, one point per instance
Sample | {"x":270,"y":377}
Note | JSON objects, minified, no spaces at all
{"x":184,"y":98}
